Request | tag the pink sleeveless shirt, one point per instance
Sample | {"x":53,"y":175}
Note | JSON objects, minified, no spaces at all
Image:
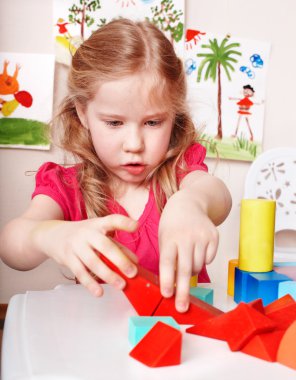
{"x":60,"y":184}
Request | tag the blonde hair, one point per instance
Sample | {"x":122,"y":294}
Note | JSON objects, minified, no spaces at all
{"x":118,"y":49}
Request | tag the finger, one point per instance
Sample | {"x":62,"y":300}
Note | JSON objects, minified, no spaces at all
{"x":131,"y":255}
{"x":91,"y":261}
{"x":167,"y":270}
{"x":184,"y":273}
{"x":199,"y":258}
{"x":211,"y":251}
{"x":117,"y":222}
{"x":111,"y":250}
{"x":84,"y":277}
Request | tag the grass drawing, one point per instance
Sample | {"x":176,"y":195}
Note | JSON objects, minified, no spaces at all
{"x":239,"y":149}
{"x":23,"y":132}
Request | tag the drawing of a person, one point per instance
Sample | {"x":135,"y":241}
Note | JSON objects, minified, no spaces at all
{"x":244,"y":106}
{"x":62,"y":25}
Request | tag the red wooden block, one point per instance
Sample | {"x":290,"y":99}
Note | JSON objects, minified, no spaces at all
{"x":142,"y":290}
{"x":282,"y":312}
{"x":160,"y":347}
{"x":264,"y":346}
{"x":237,"y":326}
{"x":198,"y":311}
{"x":244,"y":323}
{"x":211,"y":328}
{"x":279,"y":304}
{"x":258,"y":305}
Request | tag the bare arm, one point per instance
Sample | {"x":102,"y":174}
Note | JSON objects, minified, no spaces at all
{"x":17,"y":248}
{"x":210,"y":193}
{"x":188,"y":236}
{"x":41,"y":233}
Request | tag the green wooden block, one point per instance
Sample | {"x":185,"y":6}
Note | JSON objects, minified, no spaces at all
{"x":139,"y":326}
{"x":204,"y":294}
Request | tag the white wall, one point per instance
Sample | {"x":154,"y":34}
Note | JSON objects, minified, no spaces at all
{"x":26,"y":26}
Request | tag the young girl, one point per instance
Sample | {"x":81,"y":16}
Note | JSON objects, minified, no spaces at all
{"x":140,"y":187}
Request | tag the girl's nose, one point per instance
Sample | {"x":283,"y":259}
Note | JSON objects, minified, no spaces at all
{"x":134,"y":141}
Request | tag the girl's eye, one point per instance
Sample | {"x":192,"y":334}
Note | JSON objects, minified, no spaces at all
{"x":113,"y":123}
{"x":153,"y":123}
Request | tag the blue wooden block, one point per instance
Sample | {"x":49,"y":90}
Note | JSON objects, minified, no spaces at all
{"x":284,"y":264}
{"x":265,"y":286}
{"x":241,"y":279}
{"x":204,"y":294}
{"x":287,"y":287}
{"x":139,"y":326}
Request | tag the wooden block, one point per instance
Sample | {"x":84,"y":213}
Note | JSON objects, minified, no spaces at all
{"x":139,"y":326}
{"x":198,"y":311}
{"x":264,"y":285}
{"x":193,"y":281}
{"x":258,"y":305}
{"x":237,"y":326}
{"x":241,"y":280}
{"x":250,"y":286}
{"x":287,"y":287}
{"x":282,"y":312}
{"x":144,"y":294}
{"x":161,"y":346}
{"x":288,"y":271}
{"x":142,"y":290}
{"x":279,"y":304}
{"x":284,"y":264}
{"x":211,"y":328}
{"x":265,"y":345}
{"x":287,"y":349}
{"x":232,"y":264}
{"x":245,"y":322}
{"x":204,"y":294}
{"x":256,"y":237}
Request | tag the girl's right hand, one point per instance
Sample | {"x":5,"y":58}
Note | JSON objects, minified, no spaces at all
{"x":77,"y":245}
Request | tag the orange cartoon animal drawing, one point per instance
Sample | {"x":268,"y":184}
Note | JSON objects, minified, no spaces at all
{"x":9,"y":85}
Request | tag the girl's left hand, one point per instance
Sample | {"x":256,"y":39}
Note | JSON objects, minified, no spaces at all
{"x":188,"y":239}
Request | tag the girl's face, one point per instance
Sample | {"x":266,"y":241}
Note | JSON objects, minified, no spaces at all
{"x":130,"y":133}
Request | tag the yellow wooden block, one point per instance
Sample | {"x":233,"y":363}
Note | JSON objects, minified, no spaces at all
{"x":193,"y":281}
{"x":256,"y":241}
{"x":232,"y":264}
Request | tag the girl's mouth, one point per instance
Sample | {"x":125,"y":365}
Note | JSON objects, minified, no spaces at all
{"x":134,"y":169}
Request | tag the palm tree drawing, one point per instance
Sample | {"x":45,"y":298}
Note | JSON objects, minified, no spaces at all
{"x":218,"y":57}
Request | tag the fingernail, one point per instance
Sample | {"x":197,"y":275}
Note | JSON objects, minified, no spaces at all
{"x":167,"y":292}
{"x":182,"y":306}
{"x":130,"y":271}
{"x":119,"y":284}
{"x":97,"y":292}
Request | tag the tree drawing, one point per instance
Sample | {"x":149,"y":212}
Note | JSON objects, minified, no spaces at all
{"x":166,"y":18}
{"x":218,"y":57}
{"x":80,"y":14}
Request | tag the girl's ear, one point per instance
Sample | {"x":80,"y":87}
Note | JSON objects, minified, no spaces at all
{"x":81,"y":114}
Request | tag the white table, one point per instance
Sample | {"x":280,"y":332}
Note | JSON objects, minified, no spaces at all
{"x":66,"y":333}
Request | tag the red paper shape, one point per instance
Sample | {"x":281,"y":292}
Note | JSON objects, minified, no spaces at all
{"x":160,"y":347}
